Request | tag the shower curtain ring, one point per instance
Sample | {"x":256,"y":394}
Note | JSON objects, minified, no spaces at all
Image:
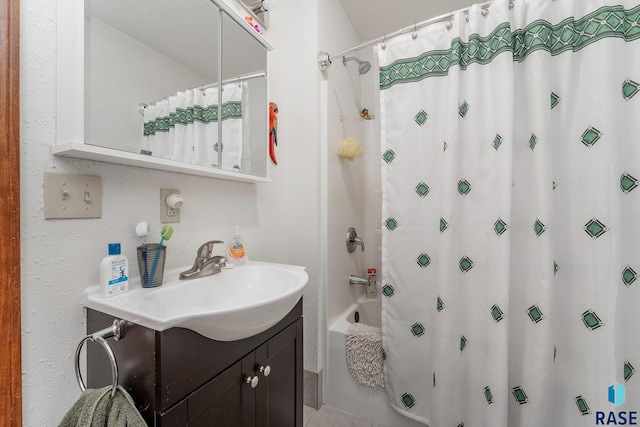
{"x":511,"y":4}
{"x":415,"y":31}
{"x":485,"y":11}
{"x":383,"y":45}
{"x":450,"y":23}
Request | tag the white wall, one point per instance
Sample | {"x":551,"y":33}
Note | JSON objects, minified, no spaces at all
{"x":352,"y":187}
{"x":344,"y":179}
{"x":280,"y":221}
{"x":293,"y":85}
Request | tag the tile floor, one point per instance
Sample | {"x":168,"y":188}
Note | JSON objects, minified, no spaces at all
{"x":331,"y":417}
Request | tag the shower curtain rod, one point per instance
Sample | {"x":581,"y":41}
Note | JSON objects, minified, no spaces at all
{"x":235,"y":79}
{"x":142,"y":105}
{"x":324,"y":59}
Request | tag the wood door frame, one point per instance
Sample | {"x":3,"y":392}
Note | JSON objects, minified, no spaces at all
{"x":10,"y":350}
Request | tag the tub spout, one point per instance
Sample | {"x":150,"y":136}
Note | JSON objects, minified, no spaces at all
{"x":357,"y":280}
{"x":369,"y":283}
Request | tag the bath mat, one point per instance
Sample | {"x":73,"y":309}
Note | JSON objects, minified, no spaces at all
{"x":364,"y":355}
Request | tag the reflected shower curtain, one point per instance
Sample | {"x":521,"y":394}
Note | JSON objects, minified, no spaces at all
{"x":184,"y":127}
{"x":511,"y":215}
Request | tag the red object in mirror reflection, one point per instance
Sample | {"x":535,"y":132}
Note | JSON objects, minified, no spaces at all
{"x":273,"y":131}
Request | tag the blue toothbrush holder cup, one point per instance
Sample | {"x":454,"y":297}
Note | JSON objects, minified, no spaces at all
{"x":151,"y":257}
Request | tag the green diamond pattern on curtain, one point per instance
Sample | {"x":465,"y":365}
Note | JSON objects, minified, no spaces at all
{"x":591,"y":136}
{"x":443,"y":225}
{"x":422,"y":189}
{"x":421,"y":117}
{"x":520,"y":395}
{"x":629,"y":276}
{"x":595,"y":228}
{"x":628,"y":370}
{"x":511,"y":215}
{"x":582,"y":405}
{"x":630,"y":89}
{"x":464,"y":187}
{"x":388,"y":291}
{"x":500,"y":226}
{"x":464,"y":109}
{"x":389,"y":155}
{"x":627,"y":182}
{"x":496,"y":313}
{"x":497,"y":142}
{"x":488,"y":395}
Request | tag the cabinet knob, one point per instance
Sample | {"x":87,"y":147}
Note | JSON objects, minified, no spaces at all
{"x":265,"y":370}
{"x":253,"y":381}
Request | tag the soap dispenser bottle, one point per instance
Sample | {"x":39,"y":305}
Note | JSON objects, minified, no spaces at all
{"x":237,"y":249}
{"x":114,"y":272}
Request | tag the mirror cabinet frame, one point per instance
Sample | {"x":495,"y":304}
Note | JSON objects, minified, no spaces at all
{"x":70,"y":100}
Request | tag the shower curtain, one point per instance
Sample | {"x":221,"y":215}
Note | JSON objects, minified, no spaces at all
{"x":184,"y":127}
{"x":511,"y":215}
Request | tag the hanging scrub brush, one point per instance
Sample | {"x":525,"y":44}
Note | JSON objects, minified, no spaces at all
{"x":350,"y":147}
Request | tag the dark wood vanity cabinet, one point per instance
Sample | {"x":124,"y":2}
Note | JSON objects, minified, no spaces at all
{"x":179,"y":378}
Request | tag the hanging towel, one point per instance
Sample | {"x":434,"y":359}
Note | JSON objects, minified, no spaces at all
{"x":96,"y":407}
{"x":364,"y":355}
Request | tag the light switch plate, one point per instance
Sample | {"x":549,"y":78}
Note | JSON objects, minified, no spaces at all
{"x":167,"y":214}
{"x":72,"y":196}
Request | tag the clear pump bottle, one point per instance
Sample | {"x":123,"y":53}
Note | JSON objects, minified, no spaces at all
{"x":237,"y":249}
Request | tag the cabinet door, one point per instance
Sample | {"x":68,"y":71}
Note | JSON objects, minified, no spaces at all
{"x":225,"y":401}
{"x":279,"y":395}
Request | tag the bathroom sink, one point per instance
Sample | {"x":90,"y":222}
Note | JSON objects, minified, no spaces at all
{"x":234,"y":304}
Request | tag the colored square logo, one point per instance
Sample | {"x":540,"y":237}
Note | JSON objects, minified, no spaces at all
{"x":616,"y":394}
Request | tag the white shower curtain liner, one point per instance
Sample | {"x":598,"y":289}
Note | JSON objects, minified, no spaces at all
{"x":511,"y":242}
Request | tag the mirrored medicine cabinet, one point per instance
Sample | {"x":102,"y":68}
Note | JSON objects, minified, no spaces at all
{"x":177,"y":85}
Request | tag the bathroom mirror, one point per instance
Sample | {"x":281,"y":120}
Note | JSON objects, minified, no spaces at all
{"x":156,"y":90}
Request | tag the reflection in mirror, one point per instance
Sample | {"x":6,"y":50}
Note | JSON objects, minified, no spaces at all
{"x":244,"y":65}
{"x":258,"y":10}
{"x":152,"y":83}
{"x":139,"y":52}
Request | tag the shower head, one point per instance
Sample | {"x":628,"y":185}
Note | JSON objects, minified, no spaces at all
{"x":363,"y":66}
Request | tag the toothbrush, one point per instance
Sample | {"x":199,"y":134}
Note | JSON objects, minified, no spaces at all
{"x":165,"y":234}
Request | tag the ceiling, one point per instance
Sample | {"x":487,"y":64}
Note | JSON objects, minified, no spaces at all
{"x":375,"y":18}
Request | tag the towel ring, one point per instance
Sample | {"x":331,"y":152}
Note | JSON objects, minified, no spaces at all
{"x":99,"y":337}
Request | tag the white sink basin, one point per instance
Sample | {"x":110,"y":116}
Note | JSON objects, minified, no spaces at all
{"x":234,"y":304}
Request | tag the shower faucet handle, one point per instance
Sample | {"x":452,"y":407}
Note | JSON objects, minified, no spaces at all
{"x":353,"y":240}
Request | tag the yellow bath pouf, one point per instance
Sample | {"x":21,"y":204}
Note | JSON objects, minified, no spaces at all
{"x":350,"y":149}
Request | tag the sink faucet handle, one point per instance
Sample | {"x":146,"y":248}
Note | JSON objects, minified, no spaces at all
{"x":206,"y":249}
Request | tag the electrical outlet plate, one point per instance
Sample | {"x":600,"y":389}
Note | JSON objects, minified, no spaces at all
{"x":167,"y":214}
{"x":71,"y":196}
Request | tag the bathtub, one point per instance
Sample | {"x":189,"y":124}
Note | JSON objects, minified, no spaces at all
{"x":340,"y":391}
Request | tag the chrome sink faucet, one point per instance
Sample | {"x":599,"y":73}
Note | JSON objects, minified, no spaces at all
{"x":205,"y":264}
